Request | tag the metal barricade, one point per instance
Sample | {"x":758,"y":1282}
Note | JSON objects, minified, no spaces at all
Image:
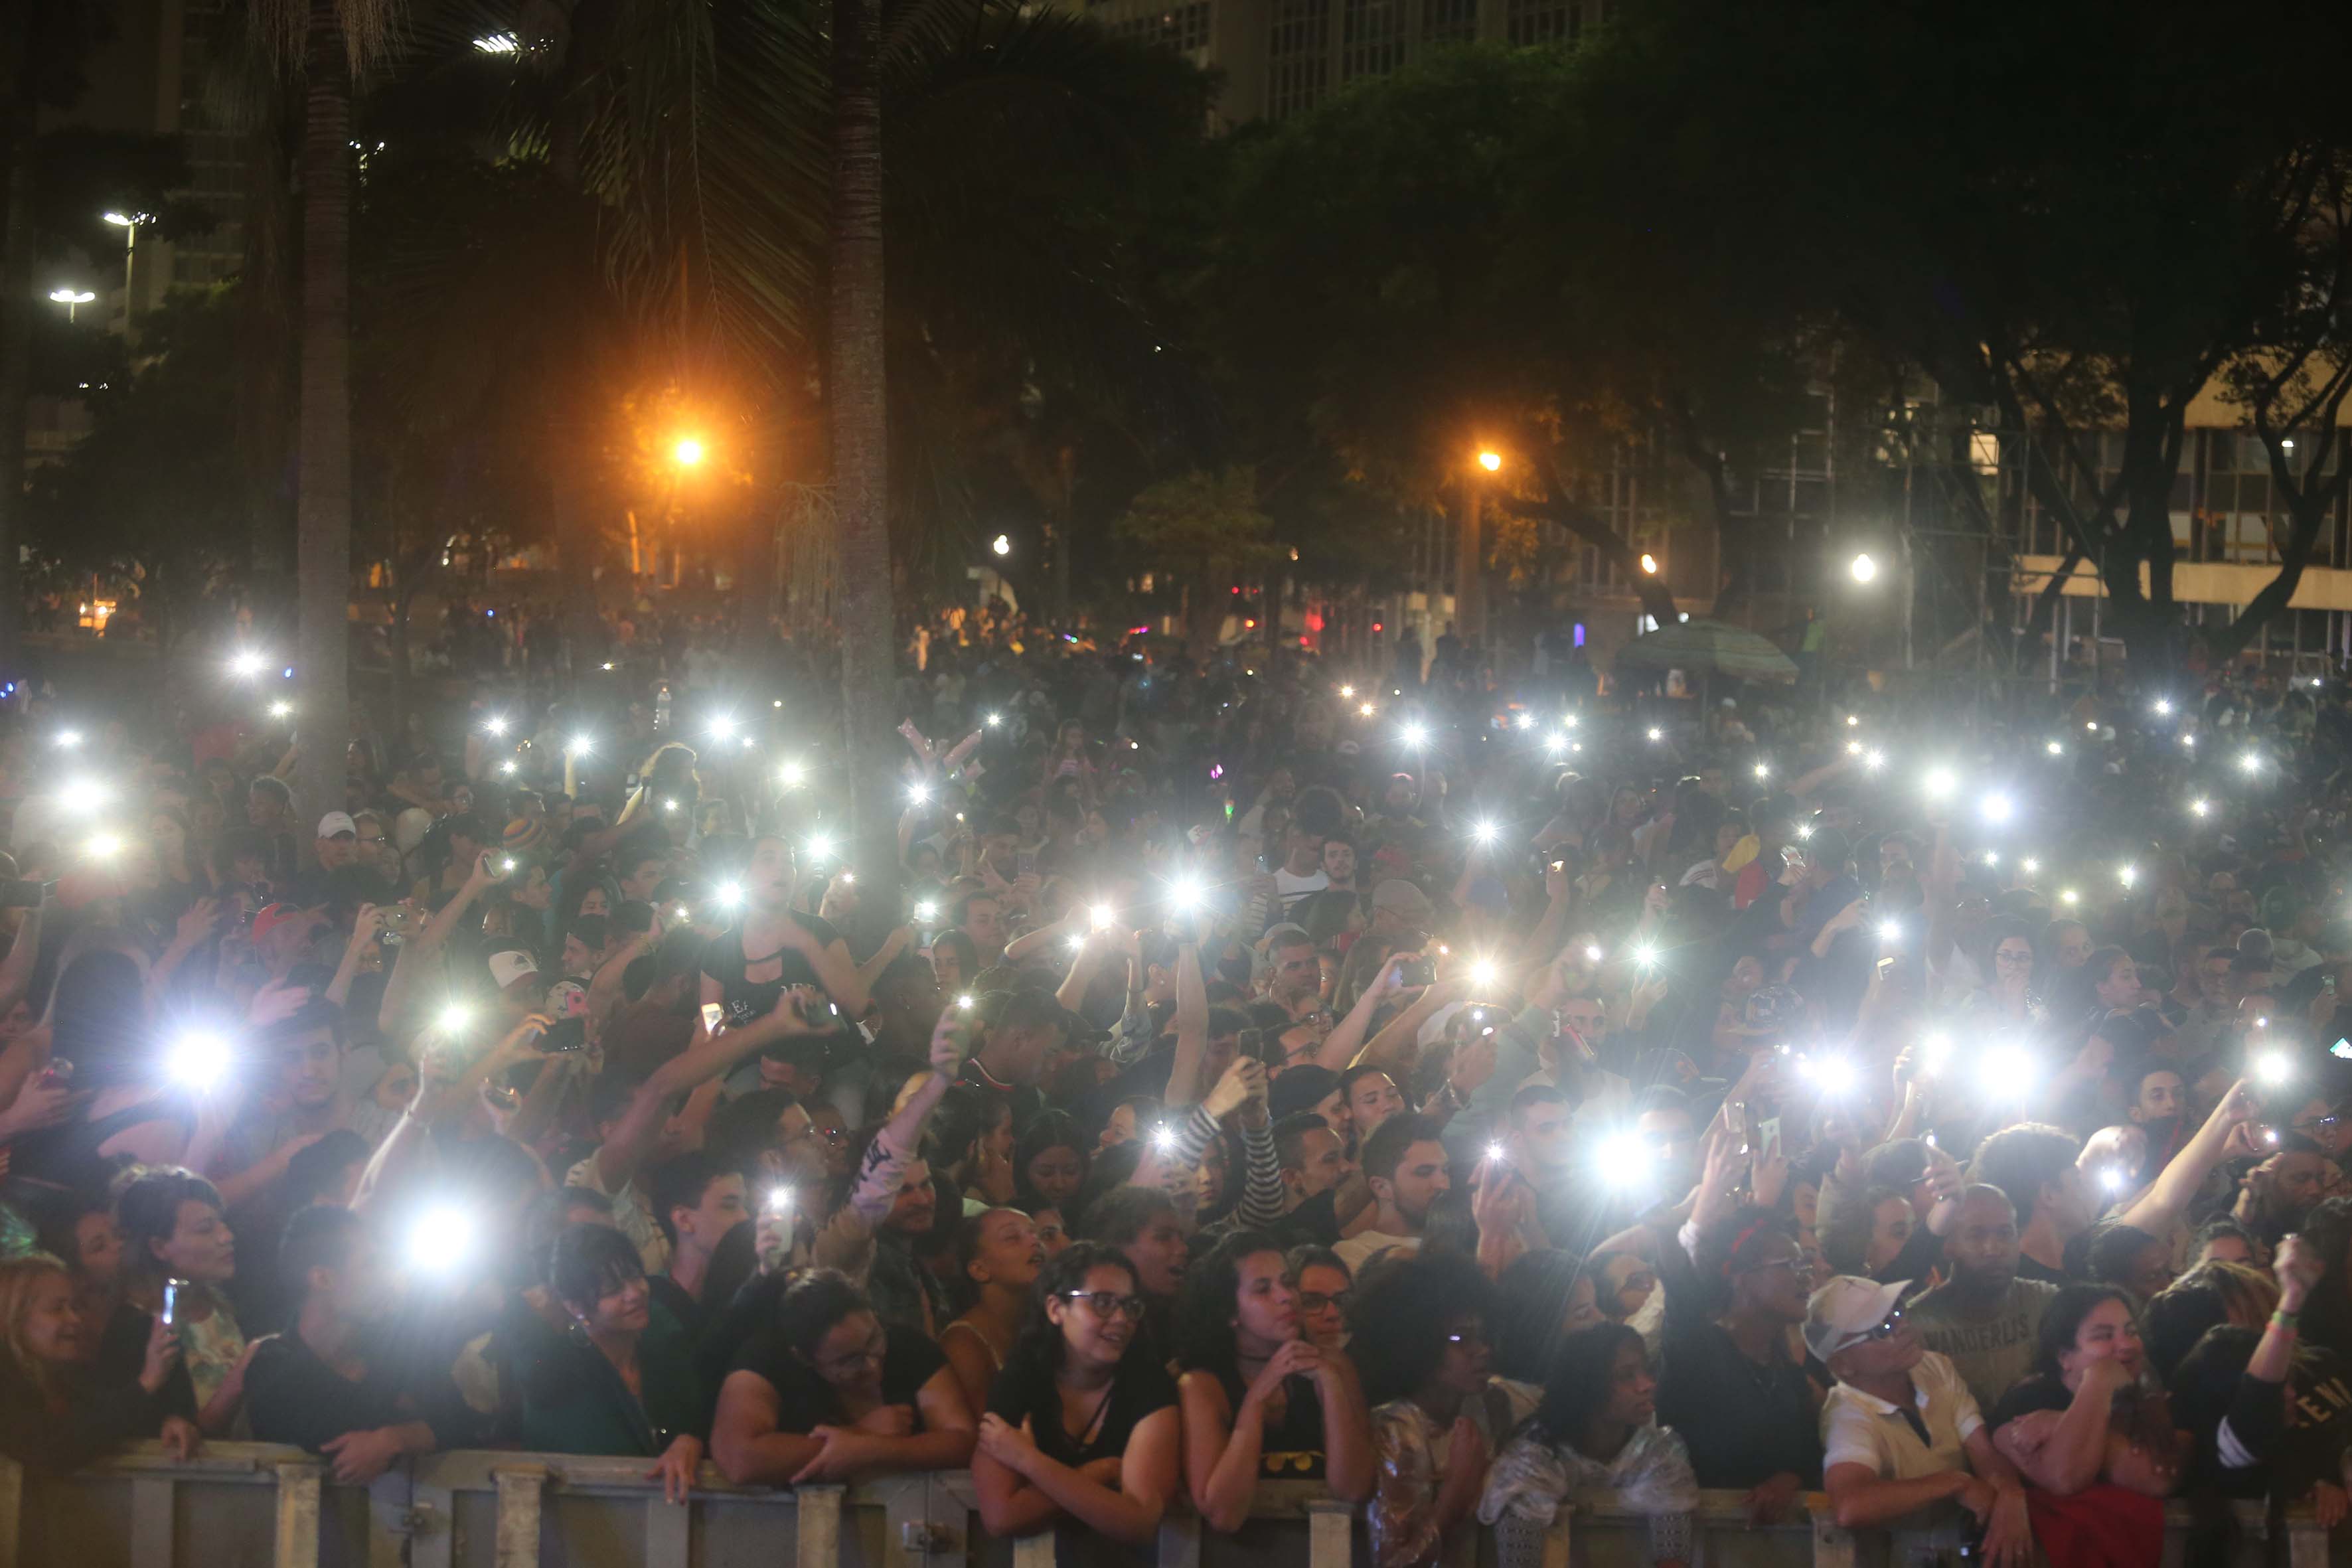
{"x":251,"y":1505}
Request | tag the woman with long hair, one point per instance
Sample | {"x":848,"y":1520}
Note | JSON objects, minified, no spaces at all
{"x":2079,"y":1417}
{"x":1082,"y":1423}
{"x":1597,"y":1430}
{"x":829,"y":1393}
{"x":1258,"y":1397}
{"x":1545,"y":1295}
{"x":774,"y":946}
{"x":1049,"y":1161}
{"x":53,"y":1415}
{"x":178,"y":1253}
{"x":625,"y":1383}
{"x":1417,"y":1333}
{"x":998,"y":1256}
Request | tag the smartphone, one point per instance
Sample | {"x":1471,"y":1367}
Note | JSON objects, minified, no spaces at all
{"x":60,"y":1070}
{"x":714,"y":1018}
{"x":1768,"y":1131}
{"x":1024,"y":862}
{"x":569,"y":1034}
{"x":23,"y":895}
{"x":401,"y":920}
{"x":1417,"y":972}
{"x":172,"y":1289}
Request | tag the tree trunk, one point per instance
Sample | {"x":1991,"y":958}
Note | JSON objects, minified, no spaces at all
{"x":323,"y":507}
{"x":266,"y":306}
{"x":860,"y":412}
{"x":17,"y":327}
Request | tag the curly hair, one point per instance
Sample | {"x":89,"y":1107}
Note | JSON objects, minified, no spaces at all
{"x":2208,"y":1296}
{"x":1398,"y":1318}
{"x":812,"y":1304}
{"x":1206,"y":1302}
{"x":1533,"y":1295}
{"x":1581,"y":1375}
{"x":147,"y":1208}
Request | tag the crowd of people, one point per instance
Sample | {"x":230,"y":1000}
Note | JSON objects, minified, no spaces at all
{"x":1169,"y":1078}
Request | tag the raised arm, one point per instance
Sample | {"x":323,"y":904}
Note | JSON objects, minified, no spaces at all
{"x":633,"y":1138}
{"x":2169,"y":1196}
{"x":1191,"y":1028}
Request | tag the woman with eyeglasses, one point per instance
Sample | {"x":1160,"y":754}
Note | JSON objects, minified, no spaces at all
{"x":1082,"y":1423}
{"x":1417,"y":1331}
{"x":1901,"y":1430}
{"x":827,"y":1393}
{"x":1259,"y":1398}
{"x":625,"y":1383}
{"x":1324,"y":1286}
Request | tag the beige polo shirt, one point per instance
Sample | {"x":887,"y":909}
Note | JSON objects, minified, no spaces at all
{"x":1858,"y":1429}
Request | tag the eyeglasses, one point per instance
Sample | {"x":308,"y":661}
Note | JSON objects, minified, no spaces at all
{"x":2013,"y":958}
{"x":1108,"y":1304}
{"x":1316,"y":1301}
{"x":2314,"y":1124}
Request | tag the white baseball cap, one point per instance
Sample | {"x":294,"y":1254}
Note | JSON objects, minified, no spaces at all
{"x":335,"y":824}
{"x":1844,"y":1309}
{"x":505,"y":968}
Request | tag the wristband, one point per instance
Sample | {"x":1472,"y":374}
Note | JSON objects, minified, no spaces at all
{"x":2283,"y":1319}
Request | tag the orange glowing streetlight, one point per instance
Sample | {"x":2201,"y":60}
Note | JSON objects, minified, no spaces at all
{"x":687,"y":452}
{"x":1490,"y":461}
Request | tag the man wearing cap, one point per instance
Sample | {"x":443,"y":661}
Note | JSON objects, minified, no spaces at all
{"x":336,"y":847}
{"x":516,"y":974}
{"x":1901,"y":1431}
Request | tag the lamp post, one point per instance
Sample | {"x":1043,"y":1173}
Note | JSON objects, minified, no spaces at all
{"x":72,"y":300}
{"x":1470,"y":557}
{"x":129,"y":224}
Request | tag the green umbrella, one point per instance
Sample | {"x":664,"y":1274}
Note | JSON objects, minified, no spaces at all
{"x":1708,"y":647}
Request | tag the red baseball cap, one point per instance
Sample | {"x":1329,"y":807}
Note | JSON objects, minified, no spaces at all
{"x":271,"y":916}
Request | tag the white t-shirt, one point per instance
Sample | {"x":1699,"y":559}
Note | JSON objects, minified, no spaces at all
{"x":632,"y":1210}
{"x":1293,"y":888}
{"x":1357,"y":1250}
{"x":1858,"y":1429}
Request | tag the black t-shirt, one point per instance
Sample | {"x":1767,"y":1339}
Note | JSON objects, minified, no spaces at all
{"x":294,"y":1398}
{"x":2029,"y":1395}
{"x":805,"y":1400}
{"x":725,"y":961}
{"x":1140,"y":1386}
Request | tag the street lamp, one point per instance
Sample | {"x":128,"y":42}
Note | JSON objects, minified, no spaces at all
{"x":1001,"y":546}
{"x":1863,"y":568}
{"x":129,"y":224}
{"x":688,"y":451}
{"x":1649,"y":564}
{"x":72,"y":300}
{"x":1491,"y":461}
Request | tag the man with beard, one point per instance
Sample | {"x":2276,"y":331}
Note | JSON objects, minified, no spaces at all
{"x":1983,"y":1318}
{"x":1405,"y":1164}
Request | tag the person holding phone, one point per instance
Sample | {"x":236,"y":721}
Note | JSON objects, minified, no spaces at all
{"x":773,"y":947}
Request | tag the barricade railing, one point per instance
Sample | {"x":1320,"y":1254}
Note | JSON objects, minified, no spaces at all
{"x":256,"y":1504}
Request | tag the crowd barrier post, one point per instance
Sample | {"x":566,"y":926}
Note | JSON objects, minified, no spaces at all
{"x":299,"y":1483}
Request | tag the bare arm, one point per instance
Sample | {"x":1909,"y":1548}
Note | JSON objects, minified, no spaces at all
{"x":1346,"y":1036}
{"x":633,"y":1138}
{"x":2169,"y":1196}
{"x":17,"y":969}
{"x":1192,"y":1022}
{"x":744,"y":1442}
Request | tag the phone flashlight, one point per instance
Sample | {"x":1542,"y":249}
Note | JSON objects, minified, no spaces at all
{"x":927,"y":911}
{"x":780,"y":1201}
{"x":1164,"y":1140}
{"x":1495,"y":1151}
{"x":1102,"y":915}
{"x":455,"y":1018}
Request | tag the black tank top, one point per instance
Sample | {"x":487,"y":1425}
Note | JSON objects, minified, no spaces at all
{"x":725,"y":961}
{"x":1292,"y":1448}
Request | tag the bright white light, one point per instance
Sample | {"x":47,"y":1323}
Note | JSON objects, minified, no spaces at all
{"x":2055,"y":750}
{"x":1555,"y":743}
{"x":1996,"y":808}
{"x":1569,"y":723}
{"x":1763,"y":770}
{"x":2163,"y":708}
{"x":2091,"y":725}
{"x":1873,"y":760}
{"x":2127,"y":875}
{"x":1852,"y":720}
{"x":2189,"y":741}
{"x":1991,"y":857}
{"x":1853,"y":747}
{"x":2274,"y":1067}
{"x":2070,"y":897}
{"x":442,"y":1240}
{"x":1002,"y":545}
{"x":2009,"y":1072}
{"x":927,"y":911}
{"x":1657,"y":734}
{"x":1102,"y":915}
{"x":507,"y":766}
{"x":1940,"y":783}
{"x":1890,"y":930}
{"x":1863,"y":568}
{"x":1645,"y":955}
{"x":497,"y":44}
{"x":1363,"y":710}
{"x":2111,"y":1179}
{"x":1592,"y":954}
{"x":748,"y":742}
{"x":105,"y":846}
{"x":1527,"y":721}
{"x":2200,"y":805}
{"x":1184,"y":896}
{"x":1164,"y":1139}
{"x":199,"y":1060}
{"x":280,"y":710}
{"x":669,"y":805}
{"x":820,"y":845}
{"x":1347,"y":691}
{"x":1077,"y":943}
{"x":729,"y":894}
{"x":454,"y":1019}
{"x":994,"y":720}
{"x":2031,"y":864}
{"x":2251,"y":762}
{"x":1624,"y":1158}
{"x":963,"y":1002}
{"x":1482,"y":972}
{"x":84,"y":794}
{"x":581,"y":745}
{"x":495,"y":726}
{"x":1805,"y":830}
{"x":1495,"y":1151}
{"x":1414,"y":735}
{"x":1831,"y":1075}
{"x":918,"y":793}
{"x":1933,"y":1050}
{"x":792,"y":774}
{"x":1484,"y":832}
{"x":69,"y":739}
{"x":246,"y":662}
